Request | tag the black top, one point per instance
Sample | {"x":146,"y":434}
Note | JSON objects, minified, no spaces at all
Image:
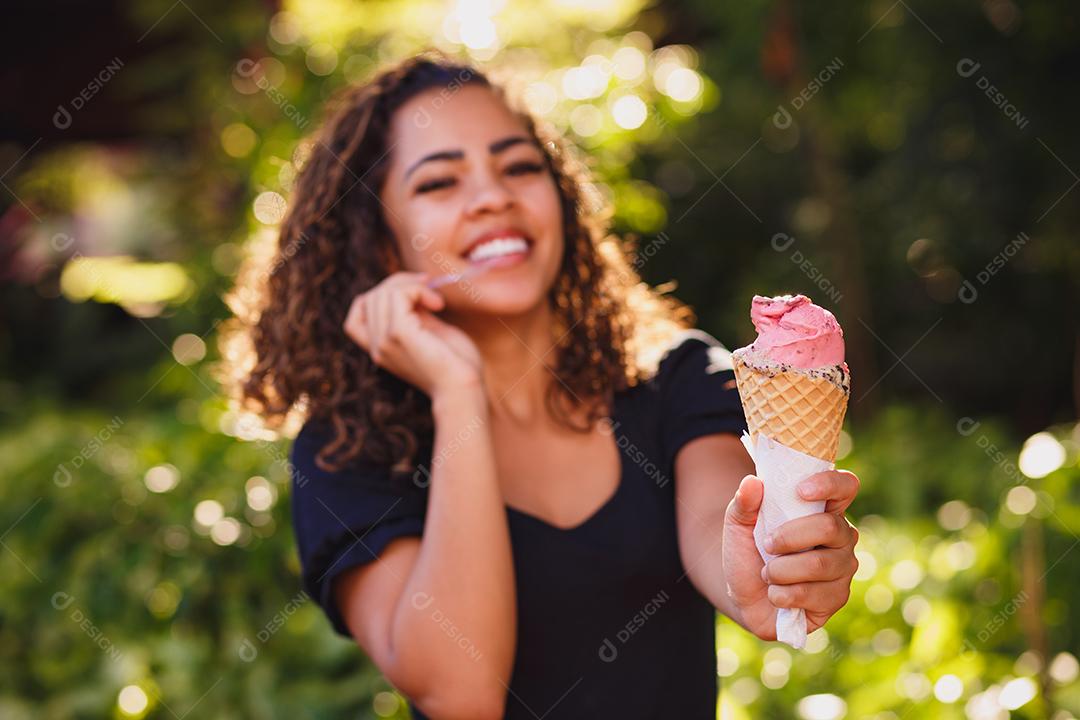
{"x":609,"y":625}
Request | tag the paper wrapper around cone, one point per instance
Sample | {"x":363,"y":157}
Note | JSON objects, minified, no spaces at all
{"x":794,"y":419}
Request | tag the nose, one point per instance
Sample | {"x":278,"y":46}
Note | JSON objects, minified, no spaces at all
{"x":490,"y":194}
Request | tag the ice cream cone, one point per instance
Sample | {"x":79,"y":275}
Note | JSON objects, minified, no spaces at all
{"x":794,"y":386}
{"x":802,"y":409}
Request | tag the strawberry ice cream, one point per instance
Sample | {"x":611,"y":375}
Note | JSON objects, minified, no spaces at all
{"x":794,"y":331}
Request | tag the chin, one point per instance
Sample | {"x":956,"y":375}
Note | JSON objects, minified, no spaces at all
{"x":507,"y":300}
{"x":498,"y":295}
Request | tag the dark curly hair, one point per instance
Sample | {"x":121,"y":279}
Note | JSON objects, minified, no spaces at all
{"x":286,"y":354}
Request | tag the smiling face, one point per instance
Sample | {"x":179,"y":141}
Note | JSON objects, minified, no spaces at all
{"x":468,"y":184}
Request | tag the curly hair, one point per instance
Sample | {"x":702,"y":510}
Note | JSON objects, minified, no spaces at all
{"x":286,"y":354}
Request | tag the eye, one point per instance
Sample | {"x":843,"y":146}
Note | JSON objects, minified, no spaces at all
{"x":436,"y":184}
{"x":525,"y":167}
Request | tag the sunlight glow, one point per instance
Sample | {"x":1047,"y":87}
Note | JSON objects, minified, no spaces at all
{"x":1041,"y":455}
{"x":1017,"y":693}
{"x":629,"y":112}
{"x":825,"y":706}
{"x":132,"y":700}
{"x":948,"y":688}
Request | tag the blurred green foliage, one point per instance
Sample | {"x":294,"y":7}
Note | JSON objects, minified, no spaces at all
{"x":166,"y":561}
{"x":148,"y":562}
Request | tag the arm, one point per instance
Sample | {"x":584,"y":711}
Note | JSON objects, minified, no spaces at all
{"x":707,"y":474}
{"x":437,"y":615}
{"x":717,"y":502}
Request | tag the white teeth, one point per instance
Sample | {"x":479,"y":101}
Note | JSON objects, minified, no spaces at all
{"x":497,"y":247}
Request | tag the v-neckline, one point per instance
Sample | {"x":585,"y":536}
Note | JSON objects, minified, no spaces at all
{"x":604,"y":506}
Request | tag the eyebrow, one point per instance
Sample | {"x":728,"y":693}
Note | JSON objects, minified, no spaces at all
{"x":494,"y":148}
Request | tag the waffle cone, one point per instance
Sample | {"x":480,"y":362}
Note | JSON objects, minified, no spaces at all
{"x":804,"y":413}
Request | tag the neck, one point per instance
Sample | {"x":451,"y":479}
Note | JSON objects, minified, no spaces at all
{"x":517,"y":352}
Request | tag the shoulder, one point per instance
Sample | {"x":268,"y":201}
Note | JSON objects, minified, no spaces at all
{"x":697,"y":392}
{"x":304,"y":468}
{"x":303,"y":451}
{"x":330,"y":507}
{"x":358,"y":476}
{"x":312,"y":437}
{"x":315,"y":435}
{"x":692,"y":351}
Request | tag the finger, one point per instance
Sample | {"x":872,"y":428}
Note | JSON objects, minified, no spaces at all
{"x":355,"y":325}
{"x":402,"y":310}
{"x":817,"y":597}
{"x":743,"y":508}
{"x":428,"y":298}
{"x":437,"y":301}
{"x":397,"y":306}
{"x":376,"y":319}
{"x":838,"y":487}
{"x":810,"y":566}
{"x":811,"y":531}
{"x":406,"y":277}
{"x":415,"y":285}
{"x":417,"y":296}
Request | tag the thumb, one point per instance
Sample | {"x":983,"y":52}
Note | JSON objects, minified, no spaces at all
{"x":743,"y":508}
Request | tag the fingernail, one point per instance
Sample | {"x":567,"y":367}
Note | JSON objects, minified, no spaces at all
{"x":769,"y":543}
{"x":808,"y":488}
{"x":764,"y":574}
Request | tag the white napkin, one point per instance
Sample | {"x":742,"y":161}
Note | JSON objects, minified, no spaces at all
{"x":781,"y":469}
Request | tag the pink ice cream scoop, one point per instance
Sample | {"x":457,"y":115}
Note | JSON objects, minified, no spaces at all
{"x":795,"y":331}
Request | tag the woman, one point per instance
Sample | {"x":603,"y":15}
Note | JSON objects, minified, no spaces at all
{"x":522,"y":492}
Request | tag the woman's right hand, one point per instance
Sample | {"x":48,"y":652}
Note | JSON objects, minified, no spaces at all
{"x":394,"y":323}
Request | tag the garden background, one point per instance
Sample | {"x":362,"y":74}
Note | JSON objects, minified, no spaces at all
{"x":913,"y":166}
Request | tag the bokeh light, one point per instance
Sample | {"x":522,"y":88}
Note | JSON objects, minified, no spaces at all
{"x":948,"y":688}
{"x":132,"y":700}
{"x":823,"y":706}
{"x":162,"y":478}
{"x":1041,"y":455}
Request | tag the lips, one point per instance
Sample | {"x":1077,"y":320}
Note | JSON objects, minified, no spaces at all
{"x":504,"y":232}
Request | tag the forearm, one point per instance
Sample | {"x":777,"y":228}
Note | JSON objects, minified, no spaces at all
{"x":708,"y":473}
{"x":457,"y":614}
{"x":707,"y":546}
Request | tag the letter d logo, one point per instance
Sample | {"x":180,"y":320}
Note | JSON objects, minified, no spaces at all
{"x":247,"y":651}
{"x":967,"y":293}
{"x":421,"y":119}
{"x":967,"y":67}
{"x":62,"y":476}
{"x":965,"y":426}
{"x":421,"y":478}
{"x":62,"y":118}
{"x":781,"y":241}
{"x":781,"y":118}
{"x":62,"y":600}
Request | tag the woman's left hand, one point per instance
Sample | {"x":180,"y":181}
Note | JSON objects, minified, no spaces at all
{"x":817,"y":555}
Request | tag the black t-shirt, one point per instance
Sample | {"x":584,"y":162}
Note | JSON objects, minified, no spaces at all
{"x":609,"y":624}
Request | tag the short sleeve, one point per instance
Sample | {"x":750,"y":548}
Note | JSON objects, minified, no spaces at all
{"x":698,"y":394}
{"x":346,"y":518}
